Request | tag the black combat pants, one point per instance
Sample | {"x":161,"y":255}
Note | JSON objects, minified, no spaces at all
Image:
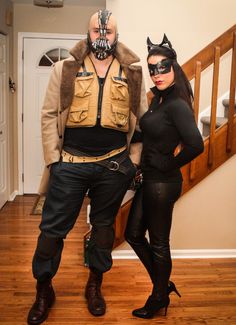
{"x":68,"y":184}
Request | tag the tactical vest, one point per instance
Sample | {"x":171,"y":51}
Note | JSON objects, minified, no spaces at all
{"x":115,"y":98}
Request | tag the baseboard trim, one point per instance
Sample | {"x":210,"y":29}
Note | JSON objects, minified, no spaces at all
{"x":182,"y":253}
{"x":13,"y":195}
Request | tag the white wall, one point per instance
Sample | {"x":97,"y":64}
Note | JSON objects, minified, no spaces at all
{"x":189,"y":24}
{"x":205,"y":217}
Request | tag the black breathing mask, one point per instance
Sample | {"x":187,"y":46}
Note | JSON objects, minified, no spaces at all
{"x":101,"y":47}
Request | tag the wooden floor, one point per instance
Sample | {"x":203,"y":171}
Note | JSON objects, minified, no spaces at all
{"x":208,"y":286}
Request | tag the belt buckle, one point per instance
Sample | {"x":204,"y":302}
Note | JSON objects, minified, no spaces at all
{"x":113,"y":165}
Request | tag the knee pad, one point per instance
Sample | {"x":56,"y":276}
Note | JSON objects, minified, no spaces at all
{"x":48,"y":247}
{"x":103,"y":237}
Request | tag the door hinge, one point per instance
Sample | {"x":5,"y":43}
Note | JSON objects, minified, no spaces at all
{"x":22,"y":177}
{"x":22,"y":117}
{"x":22,"y":55}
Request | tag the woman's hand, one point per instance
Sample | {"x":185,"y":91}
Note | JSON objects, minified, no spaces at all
{"x":137,"y":180}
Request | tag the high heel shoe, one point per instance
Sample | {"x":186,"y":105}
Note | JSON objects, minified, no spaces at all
{"x":172,"y":288}
{"x":151,"y":307}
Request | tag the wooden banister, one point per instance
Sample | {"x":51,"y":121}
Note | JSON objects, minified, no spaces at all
{"x":206,"y":56}
{"x":221,"y":143}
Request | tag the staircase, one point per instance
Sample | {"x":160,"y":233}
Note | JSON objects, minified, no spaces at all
{"x":219,"y":132}
{"x":206,"y":120}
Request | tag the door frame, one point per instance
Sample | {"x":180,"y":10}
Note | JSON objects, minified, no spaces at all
{"x":9,"y":198}
{"x":20,"y":80}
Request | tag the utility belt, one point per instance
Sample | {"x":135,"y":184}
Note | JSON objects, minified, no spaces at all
{"x":75,"y":156}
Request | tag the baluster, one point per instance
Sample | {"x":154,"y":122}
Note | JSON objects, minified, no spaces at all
{"x":192,"y":168}
{"x":231,"y":98}
{"x":211,"y":153}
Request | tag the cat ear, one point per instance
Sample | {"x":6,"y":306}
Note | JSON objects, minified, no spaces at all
{"x":166,"y":41}
{"x":149,"y":44}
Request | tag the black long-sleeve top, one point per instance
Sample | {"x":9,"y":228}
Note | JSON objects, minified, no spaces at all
{"x":164,"y":126}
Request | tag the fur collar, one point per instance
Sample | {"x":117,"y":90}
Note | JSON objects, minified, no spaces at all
{"x":123,"y":54}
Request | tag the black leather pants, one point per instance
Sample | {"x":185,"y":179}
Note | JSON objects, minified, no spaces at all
{"x":152,"y":210}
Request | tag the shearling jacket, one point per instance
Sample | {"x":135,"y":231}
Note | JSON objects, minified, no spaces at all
{"x":60,"y":93}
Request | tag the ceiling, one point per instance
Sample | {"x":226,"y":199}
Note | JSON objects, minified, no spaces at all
{"x":88,"y":3}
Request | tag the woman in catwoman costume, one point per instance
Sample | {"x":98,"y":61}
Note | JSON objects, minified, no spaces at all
{"x":168,"y":123}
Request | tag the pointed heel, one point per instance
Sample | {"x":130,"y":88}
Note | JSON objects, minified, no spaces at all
{"x":177,"y":292}
{"x":172,"y":288}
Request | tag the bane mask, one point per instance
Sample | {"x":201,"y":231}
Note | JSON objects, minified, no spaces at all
{"x":101,"y":46}
{"x":162,"y":67}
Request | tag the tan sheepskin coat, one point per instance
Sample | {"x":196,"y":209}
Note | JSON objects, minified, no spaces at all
{"x":59,"y":96}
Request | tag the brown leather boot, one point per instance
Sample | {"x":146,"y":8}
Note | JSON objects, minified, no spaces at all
{"x":96,"y":302}
{"x":45,"y":298}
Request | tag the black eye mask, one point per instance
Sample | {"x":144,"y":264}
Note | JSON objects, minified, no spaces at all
{"x":161,"y":67}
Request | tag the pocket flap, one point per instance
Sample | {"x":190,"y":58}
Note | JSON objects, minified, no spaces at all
{"x":120,"y":81}
{"x":82,"y":85}
{"x":78,"y":109}
{"x":119,"y":109}
{"x":119,"y":90}
{"x":120,"y":115}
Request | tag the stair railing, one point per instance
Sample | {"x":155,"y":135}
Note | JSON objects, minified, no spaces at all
{"x":193,"y":68}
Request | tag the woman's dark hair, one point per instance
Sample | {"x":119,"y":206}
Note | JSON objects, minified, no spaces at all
{"x":182,"y":85}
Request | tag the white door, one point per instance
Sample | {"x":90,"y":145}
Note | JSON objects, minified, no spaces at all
{"x":3,"y":121}
{"x":39,"y":56}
